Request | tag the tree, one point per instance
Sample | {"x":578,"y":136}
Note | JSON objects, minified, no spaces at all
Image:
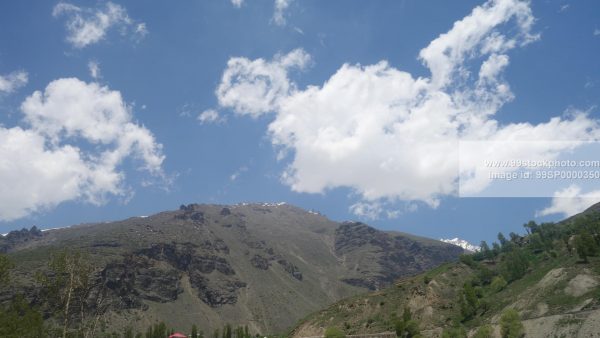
{"x":160,"y":330}
{"x":536,"y":243}
{"x":496,"y":249}
{"x":67,"y":286}
{"x":510,"y":324}
{"x":531,"y":227}
{"x":406,"y":327}
{"x":486,"y":331}
{"x":334,"y":332}
{"x":501,"y":239}
{"x":19,"y":319}
{"x":468,"y":302}
{"x":194,"y":331}
{"x":485,"y":250}
{"x":514,"y":265}
{"x":498,"y":283}
{"x":454,"y":332}
{"x":227,"y":331}
{"x":585,"y":246}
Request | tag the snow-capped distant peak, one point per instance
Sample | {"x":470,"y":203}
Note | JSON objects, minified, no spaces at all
{"x":462,"y":243}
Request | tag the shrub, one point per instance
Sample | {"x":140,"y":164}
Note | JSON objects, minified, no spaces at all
{"x":510,"y":324}
{"x":498,"y":283}
{"x":485,"y":331}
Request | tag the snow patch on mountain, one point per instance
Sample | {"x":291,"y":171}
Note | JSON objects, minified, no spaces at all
{"x":462,"y":243}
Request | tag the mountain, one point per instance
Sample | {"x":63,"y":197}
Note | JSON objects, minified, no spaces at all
{"x":264,"y":265}
{"x":550,"y":277}
{"x":462,"y":243}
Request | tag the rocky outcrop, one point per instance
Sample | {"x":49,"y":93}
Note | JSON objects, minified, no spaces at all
{"x":143,"y":275}
{"x":290,"y":268}
{"x":190,"y":213}
{"x":16,"y":237}
{"x":216,"y":292}
{"x":259,"y":262}
{"x":136,"y":278}
{"x":397,"y":255}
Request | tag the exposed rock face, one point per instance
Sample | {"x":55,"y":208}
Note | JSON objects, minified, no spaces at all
{"x":260,"y":262}
{"x":290,"y":268}
{"x":397,"y":255}
{"x":190,"y":213}
{"x":141,"y":276}
{"x":136,"y":278}
{"x":17,"y":237}
{"x":216,"y":293}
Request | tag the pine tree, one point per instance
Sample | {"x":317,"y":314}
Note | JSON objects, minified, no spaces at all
{"x":510,"y":324}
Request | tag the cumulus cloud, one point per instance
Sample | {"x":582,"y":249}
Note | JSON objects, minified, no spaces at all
{"x":77,"y":136}
{"x":13,"y":81}
{"x":570,"y":201}
{"x":255,"y":87}
{"x":210,"y":116}
{"x":391,"y":136}
{"x":86,"y":26}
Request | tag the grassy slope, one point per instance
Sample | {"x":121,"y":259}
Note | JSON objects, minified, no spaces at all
{"x":552,"y":298}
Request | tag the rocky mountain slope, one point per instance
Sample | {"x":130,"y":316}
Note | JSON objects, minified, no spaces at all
{"x":261,"y":265}
{"x":551,"y":277}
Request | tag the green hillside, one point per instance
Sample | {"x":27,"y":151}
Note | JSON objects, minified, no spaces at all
{"x":551,"y":277}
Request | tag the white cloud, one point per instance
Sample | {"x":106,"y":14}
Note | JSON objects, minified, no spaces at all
{"x":77,"y":137}
{"x":237,"y":3}
{"x":388,"y":135}
{"x":255,"y":87}
{"x":238,"y":173}
{"x":13,"y":81}
{"x":210,"y":116}
{"x":570,"y":201}
{"x":141,"y":30}
{"x":94,"y":68}
{"x":596,"y":32}
{"x":374,"y":210}
{"x":564,"y":7}
{"x":86,"y":26}
{"x":279,"y":12}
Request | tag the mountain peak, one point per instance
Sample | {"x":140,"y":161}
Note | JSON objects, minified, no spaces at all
{"x":462,"y":243}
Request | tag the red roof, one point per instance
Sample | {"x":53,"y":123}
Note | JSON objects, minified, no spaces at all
{"x":177,"y":335}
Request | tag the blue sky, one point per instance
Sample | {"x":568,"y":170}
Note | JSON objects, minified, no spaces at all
{"x":160,"y":124}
